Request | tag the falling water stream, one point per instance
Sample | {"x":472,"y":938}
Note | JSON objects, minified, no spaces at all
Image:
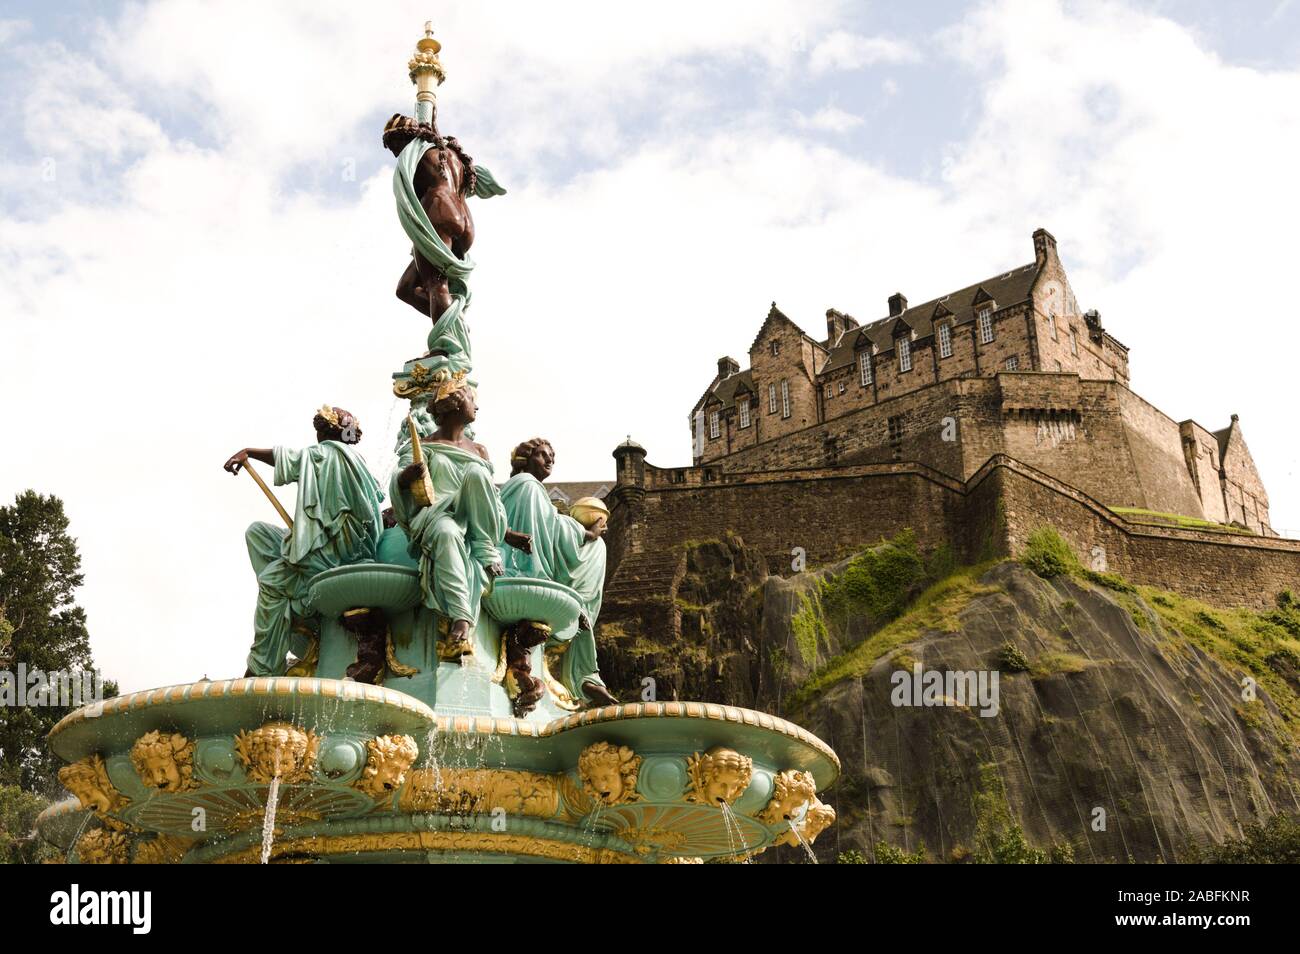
{"x":268,"y":817}
{"x":734,"y":834}
{"x":802,"y":840}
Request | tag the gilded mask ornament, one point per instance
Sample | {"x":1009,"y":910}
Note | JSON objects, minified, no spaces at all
{"x":718,"y":776}
{"x":88,"y":780}
{"x":278,"y":749}
{"x":815,"y":820}
{"x":388,"y":758}
{"x":164,"y":762}
{"x":609,"y":773}
{"x":791,"y":790}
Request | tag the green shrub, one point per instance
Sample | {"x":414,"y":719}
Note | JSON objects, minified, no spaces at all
{"x":887,"y":854}
{"x":1272,"y":842}
{"x":1110,"y":581}
{"x":1011,"y":659}
{"x":1048,"y":555}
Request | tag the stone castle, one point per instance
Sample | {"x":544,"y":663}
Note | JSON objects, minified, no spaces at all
{"x":1006,"y":365}
{"x":972,"y":419}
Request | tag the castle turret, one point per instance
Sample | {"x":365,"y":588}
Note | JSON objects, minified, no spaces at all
{"x":631,"y":467}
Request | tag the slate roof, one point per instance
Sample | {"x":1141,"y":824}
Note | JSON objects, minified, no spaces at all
{"x":726,"y":391}
{"x":1009,"y":288}
{"x":576,"y":490}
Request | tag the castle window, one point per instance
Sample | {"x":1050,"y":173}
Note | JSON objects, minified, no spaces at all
{"x":713,"y":424}
{"x":864,"y":362}
{"x":895,"y":425}
{"x":1074,"y":343}
{"x":1051,"y":325}
{"x":904,"y":354}
{"x":841,"y":387}
{"x":986,"y":325}
{"x":1013,"y":363}
{"x":828,"y":392}
{"x":744,"y":413}
{"x":776,"y":348}
{"x":945,"y":340}
{"x":785,"y":398}
{"x":771,"y":399}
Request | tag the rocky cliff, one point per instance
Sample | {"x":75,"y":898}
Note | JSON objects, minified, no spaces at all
{"x":1127,"y":724}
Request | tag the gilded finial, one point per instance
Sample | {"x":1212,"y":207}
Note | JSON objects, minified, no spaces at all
{"x":428,"y":43}
{"x":424,"y":69}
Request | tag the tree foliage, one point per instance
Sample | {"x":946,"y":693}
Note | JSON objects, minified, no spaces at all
{"x":41,"y":627}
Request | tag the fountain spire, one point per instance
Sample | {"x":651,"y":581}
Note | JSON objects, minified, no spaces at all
{"x":426,"y":73}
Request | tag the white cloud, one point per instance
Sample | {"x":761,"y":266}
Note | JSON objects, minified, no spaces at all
{"x":829,"y":119}
{"x":842,"y":50}
{"x":9,"y":29}
{"x":203,"y":307}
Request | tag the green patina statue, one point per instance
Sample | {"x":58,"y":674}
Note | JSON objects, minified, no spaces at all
{"x":337,"y":521}
{"x":458,"y":535}
{"x":563,"y":550}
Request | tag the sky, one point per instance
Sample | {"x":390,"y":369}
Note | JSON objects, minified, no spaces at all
{"x":198,"y":245}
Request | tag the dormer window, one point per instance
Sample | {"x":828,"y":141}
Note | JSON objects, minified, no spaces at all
{"x":744,"y":412}
{"x":713,"y":424}
{"x":945,"y":340}
{"x":985,"y":321}
{"x":864,"y":368}
{"x":904,"y":354}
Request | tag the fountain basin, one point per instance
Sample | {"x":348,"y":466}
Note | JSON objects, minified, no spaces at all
{"x":513,"y":599}
{"x":383,"y":585}
{"x":370,"y":774}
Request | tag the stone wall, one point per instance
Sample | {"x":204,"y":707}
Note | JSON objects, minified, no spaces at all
{"x":832,"y":512}
{"x":1218,"y":567}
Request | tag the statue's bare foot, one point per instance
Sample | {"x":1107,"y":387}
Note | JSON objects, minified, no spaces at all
{"x":597,"y":694}
{"x":458,"y":644}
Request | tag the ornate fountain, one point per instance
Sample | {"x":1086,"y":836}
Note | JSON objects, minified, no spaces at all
{"x":423,"y":683}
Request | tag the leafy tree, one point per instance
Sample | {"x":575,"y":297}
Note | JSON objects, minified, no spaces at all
{"x":18,"y":811}
{"x":40,"y":626}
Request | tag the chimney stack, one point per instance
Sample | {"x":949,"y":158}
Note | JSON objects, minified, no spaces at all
{"x":1044,"y":245}
{"x":897,"y":304}
{"x":836,"y":324}
{"x":727,"y":366}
